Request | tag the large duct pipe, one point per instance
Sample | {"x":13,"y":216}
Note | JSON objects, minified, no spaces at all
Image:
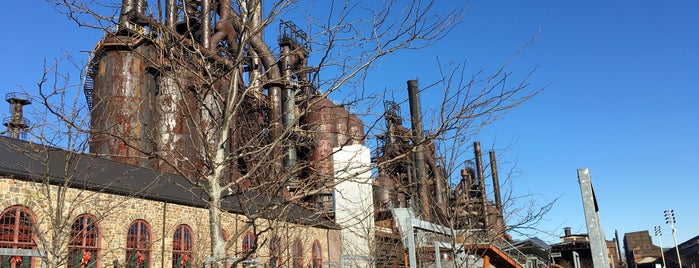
{"x":481,"y":181}
{"x":496,"y":182}
{"x":273,"y":78}
{"x":126,"y":7}
{"x":416,"y":123}
{"x":140,"y":6}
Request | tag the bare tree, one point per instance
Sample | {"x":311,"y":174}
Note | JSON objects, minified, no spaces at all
{"x":440,"y":172}
{"x":193,"y":88}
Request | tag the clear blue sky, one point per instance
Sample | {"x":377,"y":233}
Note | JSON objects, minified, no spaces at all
{"x":622,"y":83}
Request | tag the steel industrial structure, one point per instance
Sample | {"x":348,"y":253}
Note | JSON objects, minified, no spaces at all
{"x":154,"y":88}
{"x":412,"y":188}
{"x":16,"y":124}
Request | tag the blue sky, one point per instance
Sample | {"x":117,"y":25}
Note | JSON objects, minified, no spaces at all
{"x":621,"y":78}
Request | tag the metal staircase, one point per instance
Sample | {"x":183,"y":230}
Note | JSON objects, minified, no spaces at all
{"x":500,"y":254}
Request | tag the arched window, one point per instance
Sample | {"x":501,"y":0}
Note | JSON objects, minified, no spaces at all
{"x":182,"y":247}
{"x":138,"y":244}
{"x":317,"y":254}
{"x":297,"y":253}
{"x":16,"y":231}
{"x":248,"y":244}
{"x":275,"y":252}
{"x":83,"y":247}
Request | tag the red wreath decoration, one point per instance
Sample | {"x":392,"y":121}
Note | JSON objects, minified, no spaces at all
{"x":86,"y":258}
{"x":16,"y":259}
{"x":140,"y":258}
{"x":185,"y":258}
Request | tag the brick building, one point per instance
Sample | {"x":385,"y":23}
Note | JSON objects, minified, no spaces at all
{"x":640,"y":251}
{"x":116,"y":214}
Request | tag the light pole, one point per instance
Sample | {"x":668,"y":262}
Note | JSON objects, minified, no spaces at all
{"x":659,"y":234}
{"x":670,"y":219}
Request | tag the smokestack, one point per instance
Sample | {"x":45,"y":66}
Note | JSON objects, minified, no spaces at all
{"x":416,"y":123}
{"x":566,"y":231}
{"x":481,"y":180}
{"x":496,"y":182}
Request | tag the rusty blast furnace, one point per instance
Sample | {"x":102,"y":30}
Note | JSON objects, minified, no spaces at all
{"x":157,"y":90}
{"x":164,"y":93}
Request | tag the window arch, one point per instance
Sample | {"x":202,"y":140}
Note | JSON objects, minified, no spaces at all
{"x":17,"y":231}
{"x":83,"y":247}
{"x":317,"y":254}
{"x":275,"y":252}
{"x":138,"y":242}
{"x":248,"y":244}
{"x":182,"y":247}
{"x":297,"y":253}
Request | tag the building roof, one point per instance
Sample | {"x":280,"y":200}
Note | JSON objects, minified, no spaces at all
{"x":535,"y":241}
{"x":38,"y":163}
{"x":644,"y":260}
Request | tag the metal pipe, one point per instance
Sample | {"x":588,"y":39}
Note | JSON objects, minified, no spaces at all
{"x":126,"y":6}
{"x":496,"y":182}
{"x":224,"y":28}
{"x":205,"y":23}
{"x":416,"y":123}
{"x":481,"y":181}
{"x":439,"y":181}
{"x":288,"y":107}
{"x":466,"y":183}
{"x":171,"y":13}
{"x":140,"y":6}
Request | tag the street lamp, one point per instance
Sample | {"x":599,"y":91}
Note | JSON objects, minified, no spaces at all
{"x":659,"y":234}
{"x":670,"y":219}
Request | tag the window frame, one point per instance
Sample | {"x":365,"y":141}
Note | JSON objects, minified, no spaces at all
{"x":20,"y":227}
{"x":142,"y":250}
{"x":297,"y":253}
{"x":247,"y":244}
{"x":182,"y":236}
{"x":89,"y":231}
{"x":317,"y":254}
